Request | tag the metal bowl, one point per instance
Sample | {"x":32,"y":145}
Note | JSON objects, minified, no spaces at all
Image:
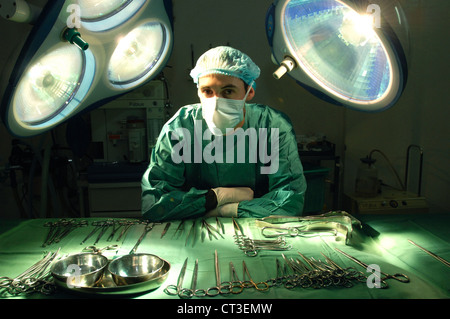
{"x":80,"y":270}
{"x":135,"y":268}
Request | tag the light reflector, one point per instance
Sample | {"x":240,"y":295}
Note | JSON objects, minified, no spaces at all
{"x":49,"y":84}
{"x":137,"y":54}
{"x":340,"y":52}
{"x":103,"y":15}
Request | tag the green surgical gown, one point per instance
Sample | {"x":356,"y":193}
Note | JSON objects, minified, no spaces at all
{"x":186,"y":162}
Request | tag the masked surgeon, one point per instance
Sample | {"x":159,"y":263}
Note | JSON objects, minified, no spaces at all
{"x":225,"y":156}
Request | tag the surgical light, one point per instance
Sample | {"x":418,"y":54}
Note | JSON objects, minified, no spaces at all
{"x":136,"y":55}
{"x":344,"y":51}
{"x":80,"y":55}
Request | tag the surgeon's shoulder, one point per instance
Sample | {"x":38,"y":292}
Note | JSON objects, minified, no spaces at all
{"x":185,"y":115}
{"x":267,"y":114}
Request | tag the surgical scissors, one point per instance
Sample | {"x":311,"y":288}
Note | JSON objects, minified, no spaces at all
{"x":398,"y":276}
{"x":178,"y":289}
{"x":260,"y":286}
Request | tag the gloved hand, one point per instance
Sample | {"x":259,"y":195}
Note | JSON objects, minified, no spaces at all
{"x":227,"y":195}
{"x":226,"y":210}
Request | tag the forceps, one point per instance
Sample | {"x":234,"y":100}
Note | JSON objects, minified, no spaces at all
{"x":221,"y":287}
{"x":178,"y":289}
{"x":236,"y":285}
{"x":399,"y":277}
{"x":147,"y":228}
{"x":442,"y":260}
{"x":260,"y":286}
{"x":96,"y":250}
{"x":193,"y":291}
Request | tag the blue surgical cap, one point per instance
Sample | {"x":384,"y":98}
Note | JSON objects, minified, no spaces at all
{"x":227,"y":61}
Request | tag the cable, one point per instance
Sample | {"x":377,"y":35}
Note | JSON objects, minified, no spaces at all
{"x":391,"y":166}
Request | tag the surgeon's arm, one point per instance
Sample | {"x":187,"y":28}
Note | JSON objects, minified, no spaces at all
{"x":287,"y":185}
{"x":163,"y":195}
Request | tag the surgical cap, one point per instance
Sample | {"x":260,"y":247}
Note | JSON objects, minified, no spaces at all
{"x":227,"y":61}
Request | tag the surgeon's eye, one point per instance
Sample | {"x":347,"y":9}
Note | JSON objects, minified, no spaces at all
{"x":207,"y":92}
{"x":228,"y":93}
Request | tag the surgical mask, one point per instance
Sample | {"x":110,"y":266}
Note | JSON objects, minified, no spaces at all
{"x":220,"y":113}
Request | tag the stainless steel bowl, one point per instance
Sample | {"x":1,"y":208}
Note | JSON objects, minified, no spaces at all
{"x":135,"y":268}
{"x":80,"y":270}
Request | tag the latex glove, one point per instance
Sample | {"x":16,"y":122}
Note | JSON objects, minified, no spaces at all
{"x":226,"y":210}
{"x":227,"y":195}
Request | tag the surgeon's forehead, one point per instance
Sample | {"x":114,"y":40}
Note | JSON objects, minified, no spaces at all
{"x":220,"y":80}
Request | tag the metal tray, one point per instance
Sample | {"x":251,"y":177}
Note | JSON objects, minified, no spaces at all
{"x":107,"y":286}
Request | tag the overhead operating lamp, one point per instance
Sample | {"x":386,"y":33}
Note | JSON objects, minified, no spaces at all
{"x":82,"y":54}
{"x":347,"y":52}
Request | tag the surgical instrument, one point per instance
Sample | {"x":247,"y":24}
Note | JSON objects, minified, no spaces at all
{"x":193,"y":291}
{"x":398,"y":276}
{"x":180,"y":227}
{"x":192,"y":230}
{"x":211,"y":230}
{"x":252,"y":246}
{"x":237,"y":286}
{"x":98,"y":226}
{"x":178,"y":289}
{"x":115,"y":227}
{"x":442,"y":260}
{"x":127,"y":224}
{"x":148,"y":228}
{"x":165,"y":230}
{"x":220,"y":225}
{"x":221,"y":287}
{"x":60,"y":229}
{"x":35,"y":279}
{"x":96,"y":250}
{"x":260,"y":286}
{"x":104,"y":226}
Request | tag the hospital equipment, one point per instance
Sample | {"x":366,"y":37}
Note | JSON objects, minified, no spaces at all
{"x":442,"y":260}
{"x":211,"y":230}
{"x":237,"y":286}
{"x":178,"y":289}
{"x":180,"y":227}
{"x":99,"y":225}
{"x":260,"y":286}
{"x":135,"y":268}
{"x":221,"y":287}
{"x":252,"y":246}
{"x":97,"y":250}
{"x":68,"y":65}
{"x":127,"y":224}
{"x":165,"y":230}
{"x":191,"y":231}
{"x":335,"y":223}
{"x":348,"y":53}
{"x":60,"y":229}
{"x":397,"y":276}
{"x":193,"y":291}
{"x":148,"y":227}
{"x":80,"y":270}
{"x":34,"y":279}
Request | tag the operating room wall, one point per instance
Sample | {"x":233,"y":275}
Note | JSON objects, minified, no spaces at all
{"x":420,"y":116}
